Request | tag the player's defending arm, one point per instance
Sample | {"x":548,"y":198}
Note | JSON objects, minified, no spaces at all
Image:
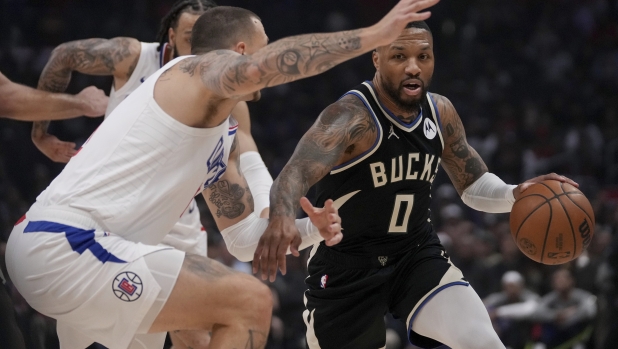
{"x":231,"y":204}
{"x":251,"y":163}
{"x":117,"y":57}
{"x":21,"y":102}
{"x":478,"y":188}
{"x":229,"y":74}
{"x":338,"y":128}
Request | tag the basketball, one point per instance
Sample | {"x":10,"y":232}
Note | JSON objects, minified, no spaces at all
{"x":552,"y":222}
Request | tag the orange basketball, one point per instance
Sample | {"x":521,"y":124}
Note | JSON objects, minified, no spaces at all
{"x":552,"y":222}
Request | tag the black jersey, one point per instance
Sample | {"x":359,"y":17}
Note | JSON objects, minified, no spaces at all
{"x":384,"y":194}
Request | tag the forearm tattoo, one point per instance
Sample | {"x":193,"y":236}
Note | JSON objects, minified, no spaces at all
{"x":461,"y":162}
{"x":286,"y":60}
{"x":335,"y":133}
{"x":228,"y":198}
{"x":91,"y":56}
{"x":39,"y":128}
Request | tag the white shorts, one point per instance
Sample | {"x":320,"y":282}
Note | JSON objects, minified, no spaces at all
{"x":188,"y":234}
{"x":96,"y":284}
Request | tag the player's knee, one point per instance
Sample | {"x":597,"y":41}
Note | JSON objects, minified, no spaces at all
{"x":255,"y":302}
{"x":261,"y":300}
{"x":482,"y":338}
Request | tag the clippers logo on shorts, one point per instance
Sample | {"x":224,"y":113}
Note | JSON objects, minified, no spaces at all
{"x":430,"y":129}
{"x":127,"y":286}
{"x":323,"y":281}
{"x":216,"y":165}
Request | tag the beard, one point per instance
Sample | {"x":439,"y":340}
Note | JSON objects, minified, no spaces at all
{"x":394,"y":90}
{"x":175,"y":50}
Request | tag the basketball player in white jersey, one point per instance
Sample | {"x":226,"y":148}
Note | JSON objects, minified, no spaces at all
{"x":130,"y":62}
{"x":85,"y":252}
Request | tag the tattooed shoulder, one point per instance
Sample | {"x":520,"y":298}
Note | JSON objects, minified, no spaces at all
{"x":188,"y":66}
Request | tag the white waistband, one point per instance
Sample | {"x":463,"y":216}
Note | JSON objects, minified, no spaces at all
{"x":64,"y":215}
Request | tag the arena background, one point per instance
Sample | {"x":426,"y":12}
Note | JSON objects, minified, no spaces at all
{"x":535,"y":83}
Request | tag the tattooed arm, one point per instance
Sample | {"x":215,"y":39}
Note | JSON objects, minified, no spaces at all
{"x":343,"y":129}
{"x":231,"y":203}
{"x":477,"y":187}
{"x":460,"y":161}
{"x":117,"y":57}
{"x":27,"y":104}
{"x":229,"y":74}
{"x":229,"y":199}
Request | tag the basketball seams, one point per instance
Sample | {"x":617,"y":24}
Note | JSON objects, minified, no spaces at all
{"x":570,"y":224}
{"x":530,"y":214}
{"x":547,"y":230}
{"x":584,"y":211}
{"x":550,"y":189}
{"x":575,"y":203}
{"x":527,"y":221}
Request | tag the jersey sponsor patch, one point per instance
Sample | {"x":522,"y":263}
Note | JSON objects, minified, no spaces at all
{"x":127,"y":286}
{"x":429,"y":129}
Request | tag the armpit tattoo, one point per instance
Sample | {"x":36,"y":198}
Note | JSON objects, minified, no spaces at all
{"x":228,"y":199}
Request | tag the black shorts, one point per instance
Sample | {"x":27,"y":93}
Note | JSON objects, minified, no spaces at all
{"x":348,"y":296}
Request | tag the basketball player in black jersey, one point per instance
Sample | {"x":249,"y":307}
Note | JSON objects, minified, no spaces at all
{"x":376,"y":152}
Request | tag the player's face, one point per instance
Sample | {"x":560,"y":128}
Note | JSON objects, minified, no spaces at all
{"x":405,"y":67}
{"x":180,"y":37}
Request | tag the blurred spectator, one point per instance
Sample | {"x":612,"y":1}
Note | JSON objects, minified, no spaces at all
{"x":566,"y":313}
{"x":510,"y":310}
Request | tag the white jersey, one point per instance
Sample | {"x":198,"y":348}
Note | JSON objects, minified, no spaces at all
{"x":188,"y":234}
{"x":141,"y":168}
{"x":150,"y":60}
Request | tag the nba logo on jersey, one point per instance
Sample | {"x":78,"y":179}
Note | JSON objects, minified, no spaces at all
{"x":127,"y":286}
{"x":216,"y":164}
{"x":323,"y":281}
{"x":429,"y":128}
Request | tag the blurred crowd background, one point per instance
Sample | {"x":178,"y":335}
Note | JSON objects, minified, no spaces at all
{"x":535,"y":83}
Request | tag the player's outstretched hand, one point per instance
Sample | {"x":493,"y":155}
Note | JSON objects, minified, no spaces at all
{"x":280,"y":235}
{"x":406,"y":11}
{"x":55,"y":149}
{"x":326,"y":219}
{"x":95,"y":101}
{"x":525,"y":185}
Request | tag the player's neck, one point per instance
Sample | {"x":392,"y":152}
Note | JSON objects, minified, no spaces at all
{"x":407,"y":115}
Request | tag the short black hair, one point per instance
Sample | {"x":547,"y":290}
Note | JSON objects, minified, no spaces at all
{"x":220,"y":28}
{"x":181,"y":6}
{"x":420,"y":25}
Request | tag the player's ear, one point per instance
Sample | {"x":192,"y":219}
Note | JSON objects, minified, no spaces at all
{"x":171,"y":36}
{"x":241,"y":47}
{"x":375,"y":57}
